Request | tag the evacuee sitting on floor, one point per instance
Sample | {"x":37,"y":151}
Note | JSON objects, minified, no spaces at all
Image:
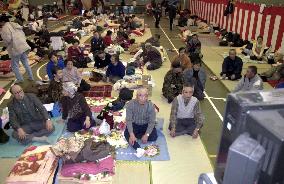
{"x":133,"y":47}
{"x":102,"y":60}
{"x":53,"y":63}
{"x":173,"y":82}
{"x":258,"y":49}
{"x":132,"y":24}
{"x":193,"y":45}
{"x":276,"y":72}
{"x":28,"y":117}
{"x":154,"y":40}
{"x":55,"y":87}
{"x":115,"y":70}
{"x":97,"y":43}
{"x":137,"y":20}
{"x":71,"y":74}
{"x":76,"y":109}
{"x":232,"y":66}
{"x":197,"y":76}
{"x":183,"y":59}
{"x":186,"y":116}
{"x":121,"y":34}
{"x":107,"y":39}
{"x":251,"y":81}
{"x":140,"y":121}
{"x":75,"y":54}
{"x":122,"y":38}
{"x":153,"y":56}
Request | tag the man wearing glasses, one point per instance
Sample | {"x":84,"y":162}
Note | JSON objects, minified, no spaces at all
{"x":28,"y":117}
{"x":140,"y":120}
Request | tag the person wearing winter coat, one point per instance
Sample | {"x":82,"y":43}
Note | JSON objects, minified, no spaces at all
{"x":153,"y":56}
{"x":196,"y":76}
{"x":232,"y":66}
{"x":15,"y":40}
{"x":251,"y":81}
{"x":158,"y":14}
{"x":173,"y":82}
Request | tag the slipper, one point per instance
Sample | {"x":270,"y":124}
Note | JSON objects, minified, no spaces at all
{"x":214,"y":78}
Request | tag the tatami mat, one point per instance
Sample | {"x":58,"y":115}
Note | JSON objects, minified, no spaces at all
{"x":188,"y":156}
{"x":213,"y":59}
{"x":4,"y":83}
{"x":132,"y":172}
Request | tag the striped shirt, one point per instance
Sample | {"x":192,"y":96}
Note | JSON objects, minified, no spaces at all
{"x":140,"y":115}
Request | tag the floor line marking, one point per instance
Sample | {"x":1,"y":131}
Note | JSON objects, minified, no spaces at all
{"x":214,"y":98}
{"x":206,"y":95}
{"x":39,"y":68}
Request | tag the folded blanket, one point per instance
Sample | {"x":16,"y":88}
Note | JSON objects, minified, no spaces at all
{"x":105,"y":165}
{"x":34,"y":166}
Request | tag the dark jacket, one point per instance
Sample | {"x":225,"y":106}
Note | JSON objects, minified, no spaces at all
{"x":232,"y":66}
{"x":153,"y":56}
{"x":35,"y":108}
{"x":188,"y":74}
{"x":99,"y":63}
{"x":118,"y":70}
{"x":75,"y":107}
{"x":97,"y":44}
{"x":193,"y":46}
{"x":157,"y":12}
{"x":172,"y":12}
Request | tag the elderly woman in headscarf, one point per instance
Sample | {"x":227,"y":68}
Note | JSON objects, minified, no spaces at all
{"x":75,"y":109}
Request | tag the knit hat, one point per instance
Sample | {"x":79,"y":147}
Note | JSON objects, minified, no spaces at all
{"x":70,"y":87}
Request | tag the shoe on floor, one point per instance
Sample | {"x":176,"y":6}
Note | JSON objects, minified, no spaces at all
{"x":140,"y":152}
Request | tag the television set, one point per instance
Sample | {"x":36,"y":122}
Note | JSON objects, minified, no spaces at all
{"x":244,"y":161}
{"x":238,"y":106}
{"x":267,"y":128}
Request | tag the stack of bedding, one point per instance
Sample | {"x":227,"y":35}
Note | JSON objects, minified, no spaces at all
{"x":35,"y":166}
{"x":84,"y":160}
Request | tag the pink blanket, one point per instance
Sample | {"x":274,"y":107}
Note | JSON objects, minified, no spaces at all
{"x":106,"y":165}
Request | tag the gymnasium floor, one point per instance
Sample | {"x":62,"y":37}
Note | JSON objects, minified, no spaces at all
{"x":189,"y":157}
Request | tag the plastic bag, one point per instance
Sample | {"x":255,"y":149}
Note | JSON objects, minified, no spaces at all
{"x":5,"y":116}
{"x":104,"y":128}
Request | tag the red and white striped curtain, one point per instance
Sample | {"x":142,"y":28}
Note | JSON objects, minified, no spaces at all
{"x":245,"y":20}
